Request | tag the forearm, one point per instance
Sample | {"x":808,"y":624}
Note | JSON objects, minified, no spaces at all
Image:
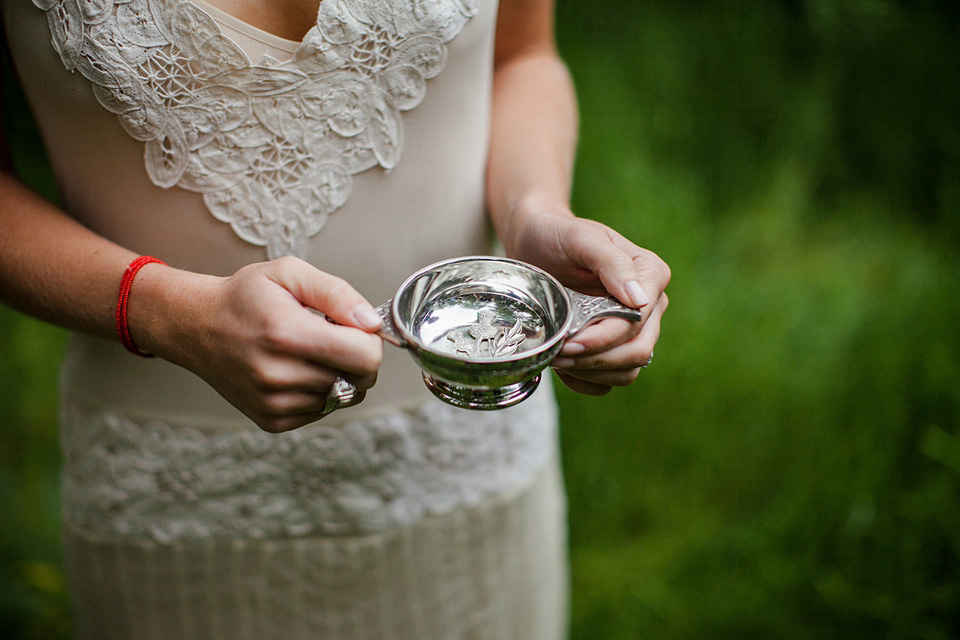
{"x":533,"y":141}
{"x":55,"y":269}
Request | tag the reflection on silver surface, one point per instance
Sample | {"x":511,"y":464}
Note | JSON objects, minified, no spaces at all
{"x":483,"y":328}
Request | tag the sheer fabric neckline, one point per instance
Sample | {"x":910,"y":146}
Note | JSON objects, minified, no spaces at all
{"x":263,"y":36}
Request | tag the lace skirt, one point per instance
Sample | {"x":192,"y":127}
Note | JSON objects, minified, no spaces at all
{"x":432,"y":524}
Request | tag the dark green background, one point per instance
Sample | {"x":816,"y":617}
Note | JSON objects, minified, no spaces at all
{"x":789,"y":466}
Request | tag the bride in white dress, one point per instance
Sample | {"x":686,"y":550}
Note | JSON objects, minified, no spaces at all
{"x":280,"y":159}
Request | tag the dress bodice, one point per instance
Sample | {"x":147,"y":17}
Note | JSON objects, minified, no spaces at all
{"x":271,"y":142}
{"x":181,"y":132}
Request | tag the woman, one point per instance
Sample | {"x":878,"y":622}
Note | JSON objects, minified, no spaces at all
{"x":258,"y":149}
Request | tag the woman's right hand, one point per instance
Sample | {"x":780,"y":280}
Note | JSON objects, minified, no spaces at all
{"x":255,"y":336}
{"x":251,"y":336}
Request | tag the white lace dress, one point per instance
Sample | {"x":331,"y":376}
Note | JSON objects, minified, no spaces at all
{"x":183,"y":133}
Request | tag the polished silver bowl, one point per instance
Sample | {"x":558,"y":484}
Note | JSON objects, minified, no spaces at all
{"x":483,"y":328}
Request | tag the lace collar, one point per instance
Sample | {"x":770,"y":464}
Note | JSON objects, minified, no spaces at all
{"x":271,"y":145}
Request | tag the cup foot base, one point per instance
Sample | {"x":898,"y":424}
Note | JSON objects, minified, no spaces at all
{"x":483,"y":399}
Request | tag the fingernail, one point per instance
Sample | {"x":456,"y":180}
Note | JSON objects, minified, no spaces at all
{"x":367,"y":318}
{"x":564,"y":363}
{"x":572,"y":349}
{"x":636,"y":293}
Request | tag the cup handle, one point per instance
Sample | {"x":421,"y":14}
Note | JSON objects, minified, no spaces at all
{"x":589,"y":309}
{"x":388,"y":331}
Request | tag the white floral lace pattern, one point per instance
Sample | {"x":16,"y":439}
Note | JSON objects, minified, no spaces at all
{"x":271,"y":146}
{"x":151,"y":480}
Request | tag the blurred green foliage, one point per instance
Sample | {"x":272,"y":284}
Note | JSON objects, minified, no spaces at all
{"x":789,"y":465}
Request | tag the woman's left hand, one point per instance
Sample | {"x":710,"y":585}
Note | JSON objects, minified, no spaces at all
{"x":592,"y":258}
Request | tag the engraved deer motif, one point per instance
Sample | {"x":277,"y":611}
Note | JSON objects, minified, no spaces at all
{"x":483,"y":338}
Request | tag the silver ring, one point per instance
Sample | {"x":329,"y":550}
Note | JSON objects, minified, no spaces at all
{"x":647,"y":363}
{"x":342,"y":393}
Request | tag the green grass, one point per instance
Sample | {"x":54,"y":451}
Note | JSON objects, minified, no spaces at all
{"x":789,"y":465}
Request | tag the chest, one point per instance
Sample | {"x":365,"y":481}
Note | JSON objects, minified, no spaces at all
{"x":288,"y":19}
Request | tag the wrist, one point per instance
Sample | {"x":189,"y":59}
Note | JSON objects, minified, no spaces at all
{"x":126,"y":286}
{"x":163,"y":306}
{"x":527,"y":216}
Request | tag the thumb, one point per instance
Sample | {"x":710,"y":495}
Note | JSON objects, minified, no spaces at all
{"x":328,"y":294}
{"x":611,"y":257}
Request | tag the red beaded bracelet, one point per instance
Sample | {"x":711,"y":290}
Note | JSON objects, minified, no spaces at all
{"x":123,"y":328}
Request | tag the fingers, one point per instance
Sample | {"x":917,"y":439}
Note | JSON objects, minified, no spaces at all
{"x":279,"y":375}
{"x":299,"y":335}
{"x":274,"y":358}
{"x":326,"y":293}
{"x":601,"y":336}
{"x":273,"y":423}
{"x":289,"y":330}
{"x":287,"y":408}
{"x":617,"y":366}
{"x":582,"y":386}
{"x":292,"y":381}
{"x":653,"y":273}
{"x":341,"y":348}
{"x":594,"y":259}
{"x":599,"y":249}
{"x":633,"y":275}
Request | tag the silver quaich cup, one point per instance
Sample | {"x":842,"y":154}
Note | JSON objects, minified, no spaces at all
{"x":484,"y":328}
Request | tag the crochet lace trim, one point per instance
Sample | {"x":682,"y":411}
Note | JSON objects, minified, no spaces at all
{"x":150,"y":479}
